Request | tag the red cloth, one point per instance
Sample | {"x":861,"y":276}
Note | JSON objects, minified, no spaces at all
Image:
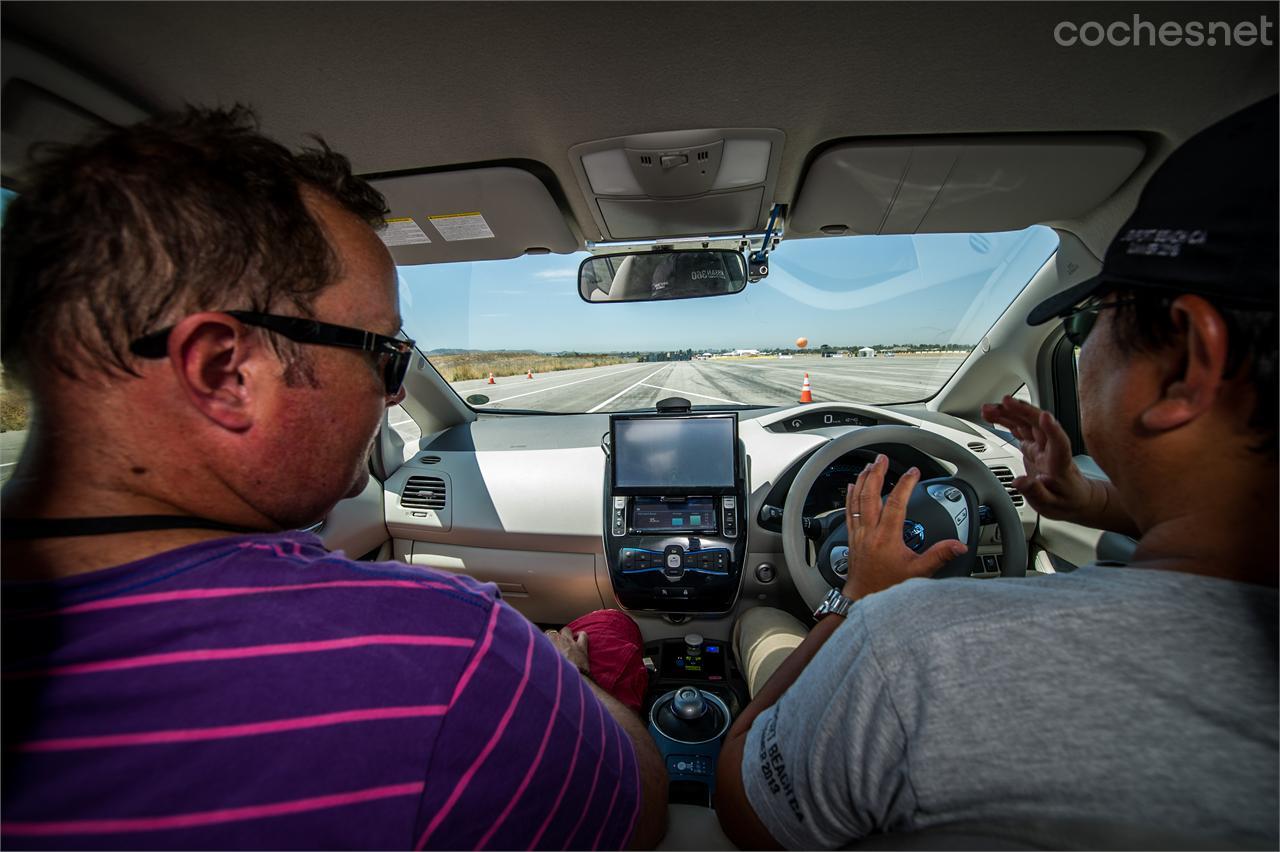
{"x":615,"y":651}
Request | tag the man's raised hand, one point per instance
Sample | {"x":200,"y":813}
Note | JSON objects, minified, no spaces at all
{"x":1053,"y":484}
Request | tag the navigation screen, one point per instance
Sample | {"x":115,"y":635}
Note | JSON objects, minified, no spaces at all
{"x":656,"y":514}
{"x":673,"y":453}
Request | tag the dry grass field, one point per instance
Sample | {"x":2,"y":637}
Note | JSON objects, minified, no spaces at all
{"x":13,"y":408}
{"x":478,"y":365}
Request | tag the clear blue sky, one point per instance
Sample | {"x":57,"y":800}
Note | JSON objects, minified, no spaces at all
{"x":842,"y":291}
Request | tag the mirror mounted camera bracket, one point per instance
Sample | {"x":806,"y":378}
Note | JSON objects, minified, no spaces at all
{"x":758,"y":260}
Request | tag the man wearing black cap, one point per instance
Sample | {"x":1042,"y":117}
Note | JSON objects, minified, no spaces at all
{"x":1117,"y":704}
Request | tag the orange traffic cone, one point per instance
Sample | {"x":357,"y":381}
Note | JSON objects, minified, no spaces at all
{"x":530,"y":375}
{"x":806,"y":393}
{"x":491,"y":381}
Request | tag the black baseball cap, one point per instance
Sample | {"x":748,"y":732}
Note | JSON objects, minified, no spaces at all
{"x":1206,"y":222}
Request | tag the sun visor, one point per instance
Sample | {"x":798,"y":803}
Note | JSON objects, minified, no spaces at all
{"x":44,"y":101}
{"x":685,"y":183}
{"x":959,"y":185}
{"x":490,"y":213}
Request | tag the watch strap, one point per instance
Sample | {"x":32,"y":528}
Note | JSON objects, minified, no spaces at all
{"x":835,"y":603}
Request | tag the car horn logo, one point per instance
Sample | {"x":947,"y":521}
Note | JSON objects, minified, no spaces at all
{"x":913,"y":535}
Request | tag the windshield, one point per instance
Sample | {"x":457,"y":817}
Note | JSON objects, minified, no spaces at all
{"x":870,"y":319}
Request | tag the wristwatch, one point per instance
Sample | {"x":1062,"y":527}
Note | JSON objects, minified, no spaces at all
{"x":834,"y":602}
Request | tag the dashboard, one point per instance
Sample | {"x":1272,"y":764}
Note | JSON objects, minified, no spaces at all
{"x":527,"y":502}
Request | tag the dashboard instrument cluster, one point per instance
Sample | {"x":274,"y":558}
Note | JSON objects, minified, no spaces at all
{"x":821,"y":419}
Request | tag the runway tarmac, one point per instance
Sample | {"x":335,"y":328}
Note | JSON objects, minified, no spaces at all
{"x":746,"y":381}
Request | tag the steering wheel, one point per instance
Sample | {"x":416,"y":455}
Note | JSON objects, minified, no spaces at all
{"x":941,"y":508}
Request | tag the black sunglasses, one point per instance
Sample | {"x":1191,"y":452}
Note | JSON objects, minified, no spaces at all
{"x":1077,"y":324}
{"x":393,"y":353}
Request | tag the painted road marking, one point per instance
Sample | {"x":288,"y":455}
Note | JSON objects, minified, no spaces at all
{"x":691,"y":393}
{"x":627,"y":390}
{"x":565,"y":385}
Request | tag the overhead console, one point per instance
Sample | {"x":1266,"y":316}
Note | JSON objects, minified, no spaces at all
{"x":683,"y":183}
{"x":675,"y":524}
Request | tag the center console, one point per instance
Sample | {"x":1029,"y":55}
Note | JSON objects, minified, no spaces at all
{"x":675,"y":509}
{"x":695,"y":693}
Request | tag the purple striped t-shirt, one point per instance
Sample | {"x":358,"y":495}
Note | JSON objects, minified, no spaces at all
{"x":259,"y":692}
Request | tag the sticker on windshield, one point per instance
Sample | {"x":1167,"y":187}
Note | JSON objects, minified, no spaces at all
{"x":462,"y":226}
{"x":403,"y":232}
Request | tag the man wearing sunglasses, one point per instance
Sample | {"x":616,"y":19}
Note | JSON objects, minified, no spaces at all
{"x":209,"y":326}
{"x":1113,"y":706}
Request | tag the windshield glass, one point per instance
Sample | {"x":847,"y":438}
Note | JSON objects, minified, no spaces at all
{"x":871,"y":319}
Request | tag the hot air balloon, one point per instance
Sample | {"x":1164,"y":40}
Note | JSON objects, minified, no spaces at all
{"x":802,"y":342}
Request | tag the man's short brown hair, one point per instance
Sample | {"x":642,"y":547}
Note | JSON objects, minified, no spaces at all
{"x":130,"y":231}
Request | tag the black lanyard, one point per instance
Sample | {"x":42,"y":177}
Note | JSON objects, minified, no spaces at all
{"x":32,"y":528}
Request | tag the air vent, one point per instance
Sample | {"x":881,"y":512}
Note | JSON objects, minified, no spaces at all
{"x":429,"y":460}
{"x":423,"y":492}
{"x":1006,"y":477}
{"x":702,"y":155}
{"x":646,"y":160}
{"x":977,"y":446}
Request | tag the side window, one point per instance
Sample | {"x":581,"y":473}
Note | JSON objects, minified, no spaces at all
{"x":14,"y":404}
{"x":1065,"y":402}
{"x":400,"y":421}
{"x":1023,"y":393}
{"x":14,"y":409}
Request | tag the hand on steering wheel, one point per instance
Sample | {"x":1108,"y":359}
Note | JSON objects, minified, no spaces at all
{"x":878,"y":557}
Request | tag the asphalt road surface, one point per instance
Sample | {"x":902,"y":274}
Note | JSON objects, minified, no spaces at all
{"x":746,"y":381}
{"x":11,"y":444}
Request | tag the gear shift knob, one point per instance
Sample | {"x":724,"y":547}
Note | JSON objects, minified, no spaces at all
{"x":688,"y":703}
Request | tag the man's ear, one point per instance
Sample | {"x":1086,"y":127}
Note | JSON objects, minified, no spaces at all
{"x":1198,"y":359}
{"x":209,"y":353}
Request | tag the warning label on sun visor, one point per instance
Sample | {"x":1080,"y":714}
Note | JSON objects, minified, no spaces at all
{"x":462,"y":226}
{"x":403,"y":232}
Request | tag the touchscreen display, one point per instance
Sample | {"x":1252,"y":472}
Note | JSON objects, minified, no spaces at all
{"x":674,"y":453}
{"x":657,"y":514}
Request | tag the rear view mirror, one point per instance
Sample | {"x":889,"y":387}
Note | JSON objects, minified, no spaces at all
{"x":659,"y":275}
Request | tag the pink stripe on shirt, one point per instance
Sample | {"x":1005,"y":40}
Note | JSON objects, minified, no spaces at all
{"x":595,"y":780}
{"x":613,"y":800}
{"x":235,"y":591}
{"x":224,"y":732}
{"x":202,"y":655}
{"x":461,"y":786}
{"x":573,"y":762}
{"x":635,"y":810}
{"x":223,"y":815}
{"x":533,"y":767}
{"x":475,"y":661}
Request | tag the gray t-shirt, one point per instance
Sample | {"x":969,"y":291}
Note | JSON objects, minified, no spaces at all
{"x":1118,"y":694}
